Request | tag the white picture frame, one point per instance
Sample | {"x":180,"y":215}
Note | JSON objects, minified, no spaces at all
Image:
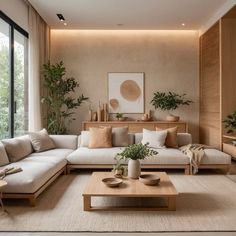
{"x":126,"y":92}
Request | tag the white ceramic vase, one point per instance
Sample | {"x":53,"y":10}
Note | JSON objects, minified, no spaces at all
{"x":134,"y":169}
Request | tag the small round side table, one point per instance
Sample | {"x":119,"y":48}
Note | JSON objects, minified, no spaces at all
{"x":2,"y":184}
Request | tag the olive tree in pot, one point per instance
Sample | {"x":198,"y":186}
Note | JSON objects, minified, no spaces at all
{"x":230,"y":123}
{"x":134,"y":153}
{"x":169,"y":101}
{"x":59,"y":98}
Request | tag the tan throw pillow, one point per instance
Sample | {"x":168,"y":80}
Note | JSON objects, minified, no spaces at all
{"x":3,"y":156}
{"x":120,"y":137}
{"x":41,"y":141}
{"x":17,"y":148}
{"x":171,"y":138}
{"x":100,"y":137}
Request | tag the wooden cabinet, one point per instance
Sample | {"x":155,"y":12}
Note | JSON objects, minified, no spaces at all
{"x":138,"y":126}
{"x":217,"y":78}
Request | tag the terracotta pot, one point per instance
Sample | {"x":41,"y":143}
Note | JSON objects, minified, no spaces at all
{"x":172,"y":118}
{"x":134,"y":169}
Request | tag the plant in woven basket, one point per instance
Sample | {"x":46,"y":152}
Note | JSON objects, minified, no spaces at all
{"x":230,"y":122}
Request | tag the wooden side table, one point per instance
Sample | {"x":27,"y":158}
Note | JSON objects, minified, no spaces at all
{"x":2,"y":184}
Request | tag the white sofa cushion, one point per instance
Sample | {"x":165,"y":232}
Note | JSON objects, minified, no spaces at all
{"x":84,"y":138}
{"x":3,"y":156}
{"x":17,"y":148}
{"x":86,"y":156}
{"x":58,"y":152}
{"x":155,"y":139}
{"x":213,"y":156}
{"x":65,"y":141}
{"x":36,"y":172}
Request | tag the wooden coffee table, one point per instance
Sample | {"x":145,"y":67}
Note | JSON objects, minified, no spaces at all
{"x":130,"y":188}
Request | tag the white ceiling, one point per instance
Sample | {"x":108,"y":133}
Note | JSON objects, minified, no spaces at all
{"x":133,"y":14}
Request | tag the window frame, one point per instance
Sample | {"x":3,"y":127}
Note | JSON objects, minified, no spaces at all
{"x":13,"y":26}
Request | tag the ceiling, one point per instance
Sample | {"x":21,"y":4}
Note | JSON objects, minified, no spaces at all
{"x":131,"y":14}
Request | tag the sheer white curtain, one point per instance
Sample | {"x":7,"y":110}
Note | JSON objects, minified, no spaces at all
{"x":39,"y":49}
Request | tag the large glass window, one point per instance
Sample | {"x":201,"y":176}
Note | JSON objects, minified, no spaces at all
{"x":13,"y":79}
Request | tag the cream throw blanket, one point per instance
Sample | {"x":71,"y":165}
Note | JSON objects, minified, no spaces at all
{"x":195,"y":152}
{"x":9,"y":171}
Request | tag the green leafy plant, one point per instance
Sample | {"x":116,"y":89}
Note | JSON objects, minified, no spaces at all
{"x":169,"y":101}
{"x":118,"y":165}
{"x":59,"y":99}
{"x":137,"y":152}
{"x":230,"y":122}
{"x":119,"y":115}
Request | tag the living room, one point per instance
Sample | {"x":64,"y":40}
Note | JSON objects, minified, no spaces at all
{"x":117,"y":117}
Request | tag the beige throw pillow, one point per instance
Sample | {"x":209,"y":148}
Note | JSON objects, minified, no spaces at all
{"x":3,"y":156}
{"x":17,"y":148}
{"x":100,"y":137}
{"x":171,"y":138}
{"x":120,"y":137}
{"x":84,"y":138}
{"x":156,"y":139}
{"x":41,"y":141}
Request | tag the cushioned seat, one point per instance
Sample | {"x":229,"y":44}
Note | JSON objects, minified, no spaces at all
{"x":36,"y":171}
{"x":170,"y":156}
{"x":58,"y":152}
{"x":215,"y":157}
{"x":87,"y":156}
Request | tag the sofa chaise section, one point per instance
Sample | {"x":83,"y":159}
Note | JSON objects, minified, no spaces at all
{"x":39,"y":169}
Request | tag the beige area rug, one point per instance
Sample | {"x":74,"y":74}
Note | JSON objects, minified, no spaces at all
{"x":205,"y":203}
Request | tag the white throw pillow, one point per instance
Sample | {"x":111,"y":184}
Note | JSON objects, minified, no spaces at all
{"x":156,"y":139}
{"x":84,"y":141}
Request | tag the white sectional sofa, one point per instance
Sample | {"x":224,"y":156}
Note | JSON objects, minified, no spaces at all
{"x":42,"y":168}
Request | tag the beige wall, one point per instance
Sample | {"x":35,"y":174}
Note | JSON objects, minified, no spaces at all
{"x":169,"y":60}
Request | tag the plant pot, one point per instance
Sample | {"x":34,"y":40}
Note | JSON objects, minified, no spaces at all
{"x":172,"y":118}
{"x":134,"y":169}
{"x":118,"y":172}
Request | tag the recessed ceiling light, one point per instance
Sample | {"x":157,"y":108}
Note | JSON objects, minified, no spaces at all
{"x":61,"y":17}
{"x":183,"y":24}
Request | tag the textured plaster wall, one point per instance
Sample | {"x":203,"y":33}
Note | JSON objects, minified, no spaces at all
{"x":169,"y":60}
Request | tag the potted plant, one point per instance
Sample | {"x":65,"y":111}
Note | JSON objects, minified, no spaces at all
{"x":134,"y":153}
{"x":118,"y":168}
{"x":169,"y":101}
{"x":60,"y":98}
{"x":119,"y":116}
{"x":230,"y":122}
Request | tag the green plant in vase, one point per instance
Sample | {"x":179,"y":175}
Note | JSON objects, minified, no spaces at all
{"x":169,"y":102}
{"x":119,"y":168}
{"x":134,"y":153}
{"x":230,"y":123}
{"x":60,"y":98}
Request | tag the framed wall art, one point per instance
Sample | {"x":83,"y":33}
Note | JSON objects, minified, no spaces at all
{"x":126,"y":92}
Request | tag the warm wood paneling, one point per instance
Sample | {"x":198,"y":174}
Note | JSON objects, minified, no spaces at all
{"x":138,"y":126}
{"x":210,"y":131}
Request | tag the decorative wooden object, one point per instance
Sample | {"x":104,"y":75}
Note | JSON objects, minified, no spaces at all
{"x":134,"y":126}
{"x":130,"y":188}
{"x":217,"y":78}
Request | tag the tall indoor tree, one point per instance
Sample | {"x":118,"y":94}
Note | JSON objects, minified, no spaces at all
{"x":60,"y":99}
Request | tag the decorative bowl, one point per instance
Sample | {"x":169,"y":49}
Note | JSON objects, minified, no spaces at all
{"x":112,"y":182}
{"x":149,"y":179}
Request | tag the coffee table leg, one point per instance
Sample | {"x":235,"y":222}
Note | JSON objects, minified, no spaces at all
{"x":172,"y":203}
{"x":87,"y":203}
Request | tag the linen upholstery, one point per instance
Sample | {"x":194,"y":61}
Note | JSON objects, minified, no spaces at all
{"x":3,"y":155}
{"x":120,"y":137}
{"x":84,"y":138}
{"x":17,"y":148}
{"x":64,"y":141}
{"x":100,"y":137}
{"x":155,"y":139}
{"x":58,"y":152}
{"x":87,"y":156}
{"x":41,"y":140}
{"x":214,"y":156}
{"x":171,"y":138}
